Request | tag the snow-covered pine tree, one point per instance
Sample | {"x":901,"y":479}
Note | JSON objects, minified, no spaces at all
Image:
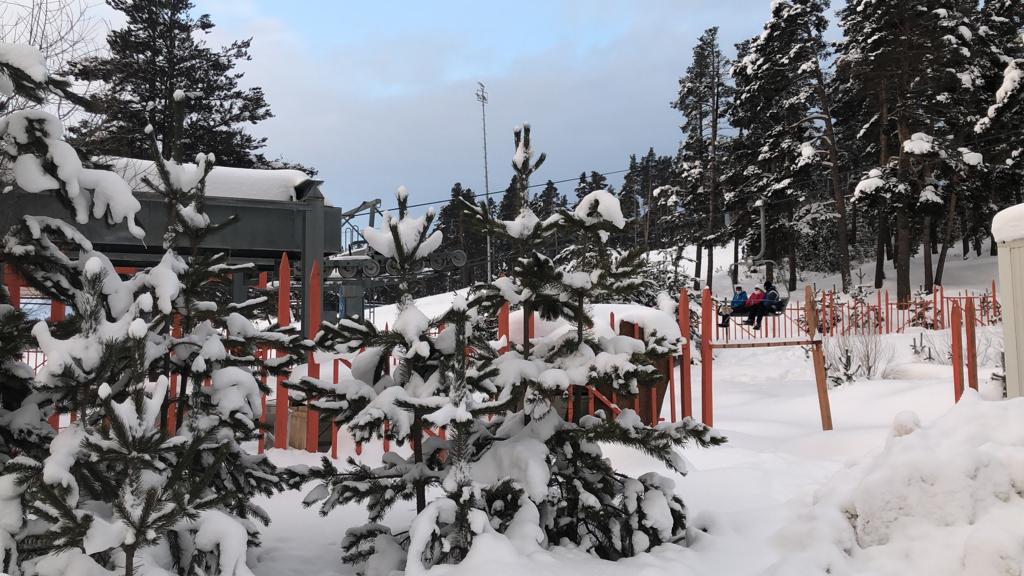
{"x":430,"y":388}
{"x":23,"y":430}
{"x":704,"y":97}
{"x":158,"y":51}
{"x":122,"y":485}
{"x":571,"y":491}
{"x":783,"y":70}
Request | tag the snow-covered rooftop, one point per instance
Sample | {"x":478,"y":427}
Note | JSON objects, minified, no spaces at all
{"x":223,"y":181}
{"x":1008,"y":224}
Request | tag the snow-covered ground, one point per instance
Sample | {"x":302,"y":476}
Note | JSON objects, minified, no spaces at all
{"x":782,"y":497}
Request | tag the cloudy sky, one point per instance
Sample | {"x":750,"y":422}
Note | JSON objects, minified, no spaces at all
{"x":381,"y":94}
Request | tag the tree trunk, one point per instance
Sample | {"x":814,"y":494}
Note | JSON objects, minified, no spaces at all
{"x":965,"y":240}
{"x":527,"y":314}
{"x":947,"y":235}
{"x":417,"y":455}
{"x":734,"y":272}
{"x":837,"y":190}
{"x":883,"y":159}
{"x":883,"y":231}
{"x":696,"y":267}
{"x":902,"y":257}
{"x":713,"y":168}
{"x":792,"y":265}
{"x":853,"y":226}
{"x":129,"y":561}
{"x":711,"y":264}
{"x":926,"y":251}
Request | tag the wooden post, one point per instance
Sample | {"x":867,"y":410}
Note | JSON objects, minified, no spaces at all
{"x":686,"y":396}
{"x":611,"y":321}
{"x":503,"y":328}
{"x":972,"y":345}
{"x":706,"y":358}
{"x":284,"y":318}
{"x":818,"y":357}
{"x":957,"y":352}
{"x":532,"y":329}
{"x":314,"y":308}
{"x":935,"y":309}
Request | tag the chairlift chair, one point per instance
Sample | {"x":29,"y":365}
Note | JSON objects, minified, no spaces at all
{"x":758,"y":259}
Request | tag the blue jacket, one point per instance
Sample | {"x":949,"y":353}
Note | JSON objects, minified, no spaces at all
{"x":739,"y":300}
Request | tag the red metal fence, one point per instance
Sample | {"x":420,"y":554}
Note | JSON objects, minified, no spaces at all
{"x":875,"y":314}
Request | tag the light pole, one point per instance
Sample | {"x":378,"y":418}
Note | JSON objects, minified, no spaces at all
{"x":481,"y":97}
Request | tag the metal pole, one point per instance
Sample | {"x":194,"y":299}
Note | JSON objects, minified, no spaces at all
{"x":481,"y":96}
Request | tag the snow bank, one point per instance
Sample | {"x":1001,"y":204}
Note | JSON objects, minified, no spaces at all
{"x":1008,"y":224}
{"x":223,"y":181}
{"x":941,"y":500}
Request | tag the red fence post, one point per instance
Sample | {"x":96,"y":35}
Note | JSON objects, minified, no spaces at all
{"x":284,"y":318}
{"x":503,"y":328}
{"x":972,"y":345}
{"x":57,"y":314}
{"x":334,"y":425}
{"x":314,"y":307}
{"x":706,"y":321}
{"x":262,"y":353}
{"x":957,"y":352}
{"x":13,"y":282}
{"x":684,"y":363}
{"x":172,"y":395}
{"x":942,"y":306}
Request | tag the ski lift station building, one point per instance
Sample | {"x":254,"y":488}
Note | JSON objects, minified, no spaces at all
{"x":278,"y":211}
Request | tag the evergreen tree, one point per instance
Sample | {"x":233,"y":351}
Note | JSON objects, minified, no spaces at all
{"x":114,"y":485}
{"x":704,"y":98}
{"x":458,"y":235}
{"x":156,"y":62}
{"x":583,"y":500}
{"x":783,"y":70}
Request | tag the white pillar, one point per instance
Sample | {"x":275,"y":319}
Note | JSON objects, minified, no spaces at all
{"x":1011,"y":299}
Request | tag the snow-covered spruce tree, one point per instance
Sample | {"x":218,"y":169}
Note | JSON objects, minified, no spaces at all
{"x":217,"y":367}
{"x":571,"y":491}
{"x":22,"y":427}
{"x":429,"y":389}
{"x":113,"y":492}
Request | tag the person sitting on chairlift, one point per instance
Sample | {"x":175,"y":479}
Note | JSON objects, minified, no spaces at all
{"x":755,"y":308}
{"x":739,"y":301}
{"x":769,"y":303}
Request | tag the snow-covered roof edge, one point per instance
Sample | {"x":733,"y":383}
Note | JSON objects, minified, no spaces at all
{"x":1008,"y":224}
{"x":223,"y":181}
